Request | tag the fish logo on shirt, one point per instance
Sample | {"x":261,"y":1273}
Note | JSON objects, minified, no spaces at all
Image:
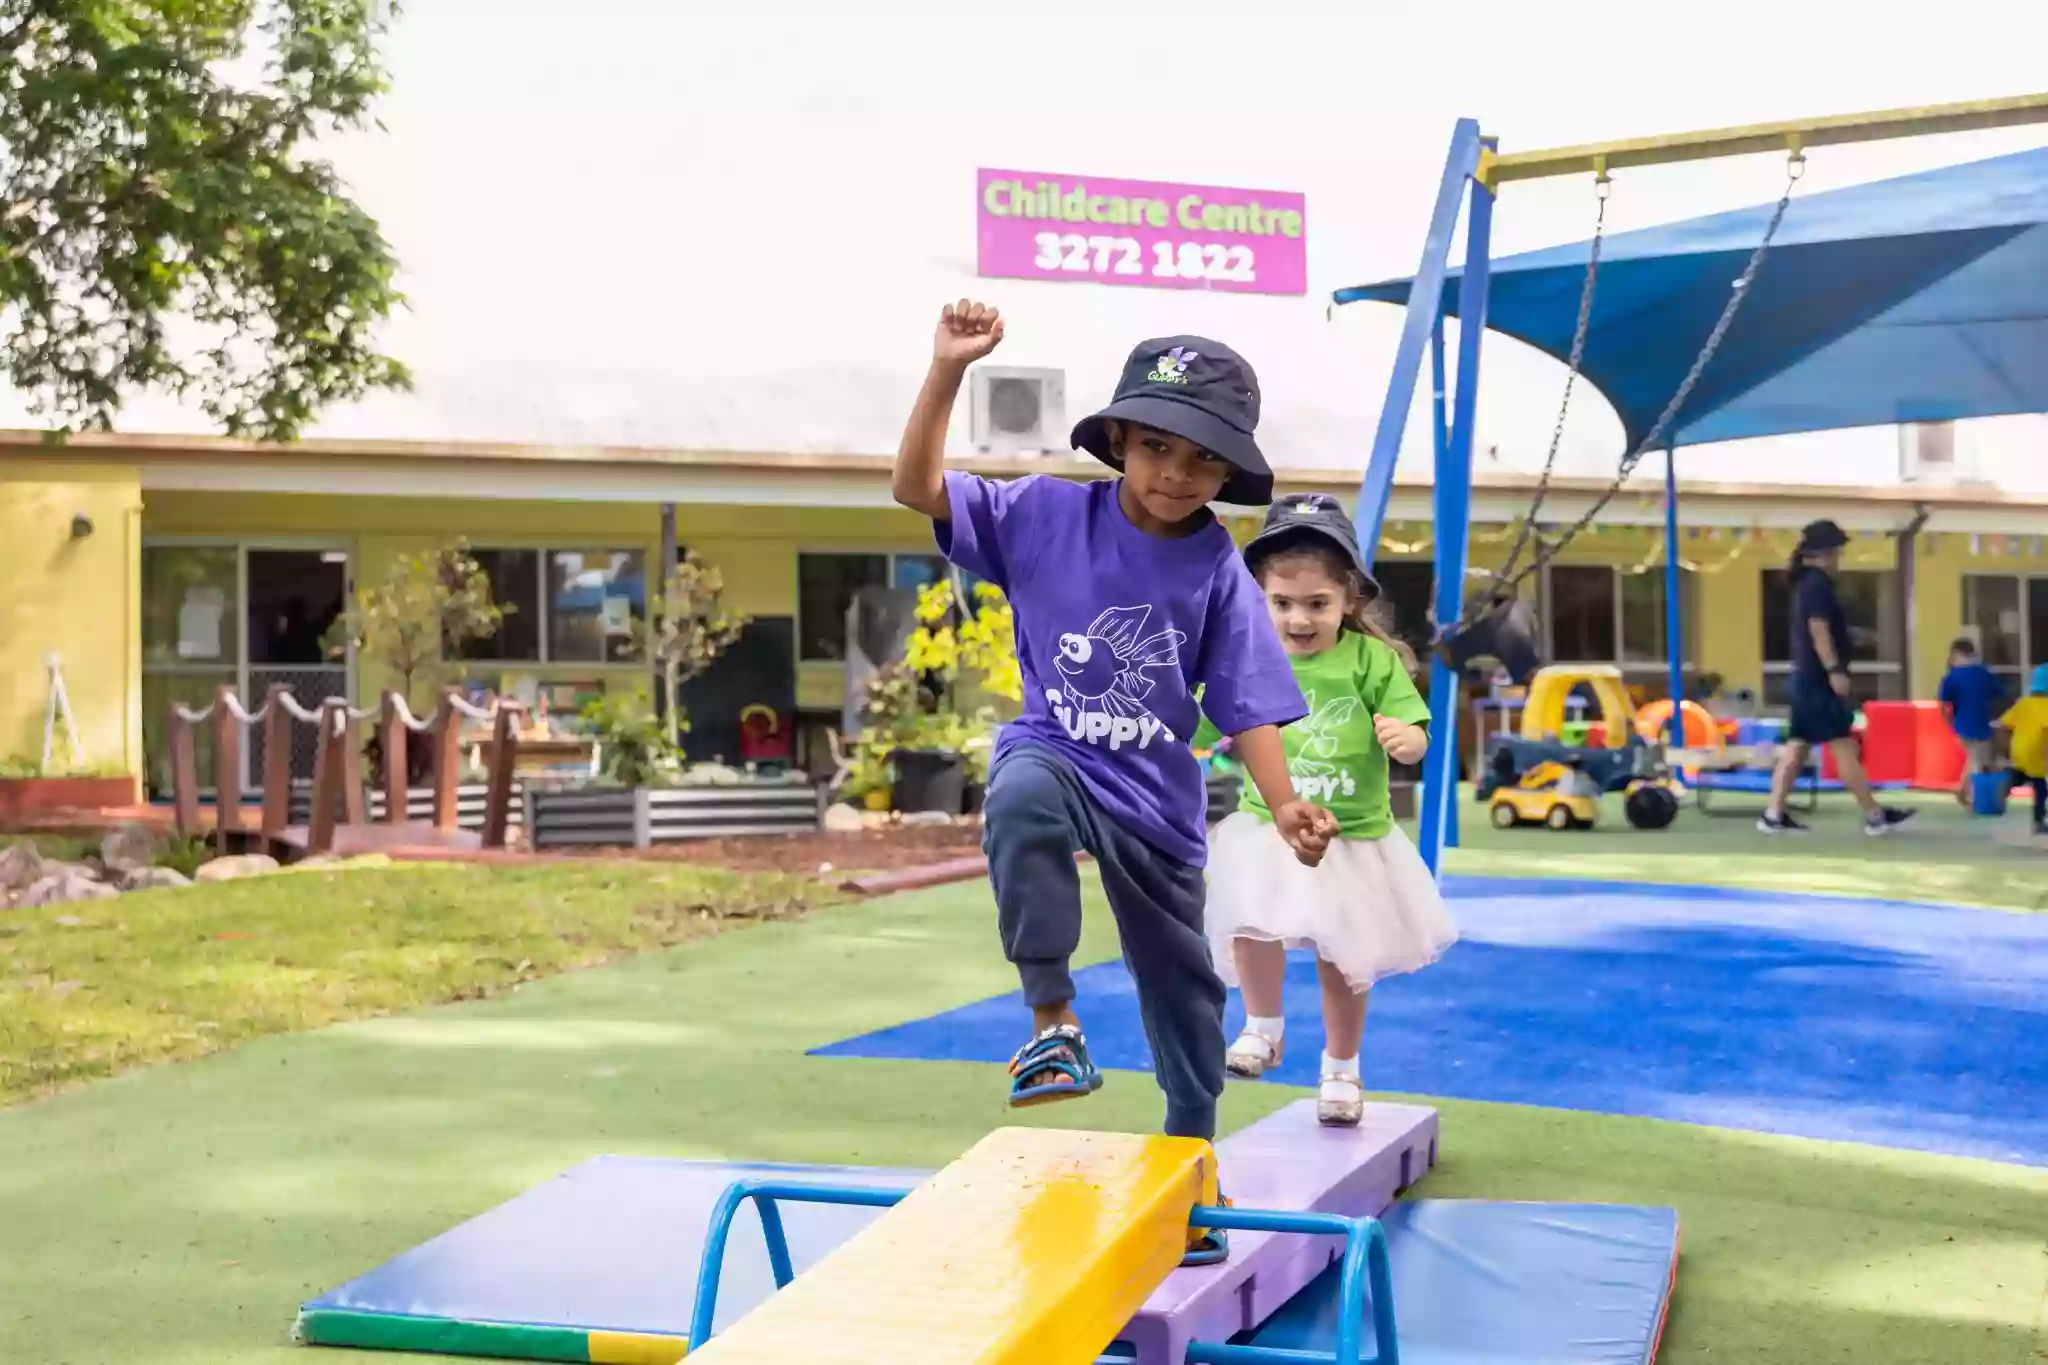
{"x":1105,"y":672}
{"x":1316,"y":778}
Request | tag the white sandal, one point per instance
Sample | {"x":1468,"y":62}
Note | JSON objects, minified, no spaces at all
{"x":1341,"y":1101}
{"x":1253,"y":1055}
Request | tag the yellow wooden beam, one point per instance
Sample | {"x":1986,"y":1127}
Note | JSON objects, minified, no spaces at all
{"x":1035,"y":1247}
{"x":1496,"y":169}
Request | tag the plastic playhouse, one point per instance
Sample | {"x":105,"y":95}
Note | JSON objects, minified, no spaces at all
{"x":1620,"y":752}
{"x":1035,"y":1247}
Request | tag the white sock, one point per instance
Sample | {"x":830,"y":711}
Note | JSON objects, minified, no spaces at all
{"x":1347,"y":1065}
{"x":1274,"y":1028}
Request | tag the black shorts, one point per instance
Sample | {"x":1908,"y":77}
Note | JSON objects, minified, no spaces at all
{"x":1818,"y":715}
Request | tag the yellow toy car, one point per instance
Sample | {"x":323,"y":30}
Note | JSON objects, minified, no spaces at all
{"x":1553,"y":795}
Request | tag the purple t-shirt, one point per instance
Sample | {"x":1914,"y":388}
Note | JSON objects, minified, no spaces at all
{"x":1115,"y":630}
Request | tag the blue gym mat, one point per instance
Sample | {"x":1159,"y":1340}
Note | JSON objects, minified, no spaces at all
{"x":1904,"y":1025}
{"x":1526,"y":1284}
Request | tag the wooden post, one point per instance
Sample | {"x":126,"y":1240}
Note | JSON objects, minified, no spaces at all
{"x":277,"y":763}
{"x":504,"y":753}
{"x":447,"y":732}
{"x":184,"y":774}
{"x":227,"y":768}
{"x":329,"y":773}
{"x":351,"y":771}
{"x":397,"y":783}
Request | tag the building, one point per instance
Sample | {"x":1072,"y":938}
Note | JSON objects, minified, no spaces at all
{"x":156,"y":568}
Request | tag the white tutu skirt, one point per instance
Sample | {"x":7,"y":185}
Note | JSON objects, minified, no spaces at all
{"x":1370,"y":909}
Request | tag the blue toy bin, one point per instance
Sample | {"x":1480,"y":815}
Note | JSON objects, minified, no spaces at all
{"x":1987,"y":793}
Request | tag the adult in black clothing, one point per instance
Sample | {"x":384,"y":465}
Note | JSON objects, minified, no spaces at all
{"x":1822,"y":713}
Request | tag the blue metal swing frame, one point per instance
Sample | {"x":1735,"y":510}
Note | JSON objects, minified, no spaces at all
{"x":1365,"y":1263}
{"x":1452,"y":441}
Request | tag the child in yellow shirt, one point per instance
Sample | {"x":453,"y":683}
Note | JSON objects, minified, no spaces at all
{"x":2026,"y":725}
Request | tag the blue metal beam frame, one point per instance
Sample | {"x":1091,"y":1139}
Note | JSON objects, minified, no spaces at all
{"x":1674,"y":616}
{"x":1365,"y":1265}
{"x":1453,"y":534}
{"x":1425,"y":309}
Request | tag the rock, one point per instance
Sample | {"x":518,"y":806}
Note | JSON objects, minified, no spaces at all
{"x":128,"y":847}
{"x":925,"y":818}
{"x":843,"y":819}
{"x":235,"y":867}
{"x":21,"y":866}
{"x":153,"y":879}
{"x":64,"y":888}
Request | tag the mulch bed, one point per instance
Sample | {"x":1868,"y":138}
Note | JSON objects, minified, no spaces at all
{"x":869,"y":850}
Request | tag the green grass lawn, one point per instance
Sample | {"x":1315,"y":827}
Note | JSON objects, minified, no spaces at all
{"x":179,"y":1214}
{"x":1943,"y":855}
{"x":91,"y":989}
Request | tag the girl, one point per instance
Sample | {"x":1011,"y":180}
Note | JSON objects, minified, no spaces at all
{"x":1372,"y":910}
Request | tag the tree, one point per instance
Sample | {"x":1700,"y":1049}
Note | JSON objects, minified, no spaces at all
{"x":685,"y":630}
{"x":427,"y":608}
{"x":163,"y":222}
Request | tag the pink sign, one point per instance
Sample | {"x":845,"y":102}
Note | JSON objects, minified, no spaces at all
{"x":1038,"y":226}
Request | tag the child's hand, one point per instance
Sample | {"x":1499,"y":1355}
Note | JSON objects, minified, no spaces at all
{"x":1307,"y":828}
{"x":1403,"y":742}
{"x":967,"y":332}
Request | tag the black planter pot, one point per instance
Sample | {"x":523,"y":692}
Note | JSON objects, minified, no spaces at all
{"x":975,"y":793}
{"x":929,"y":780}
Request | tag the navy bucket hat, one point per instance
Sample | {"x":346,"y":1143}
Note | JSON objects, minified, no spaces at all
{"x":1199,"y":390}
{"x":1310,"y":518}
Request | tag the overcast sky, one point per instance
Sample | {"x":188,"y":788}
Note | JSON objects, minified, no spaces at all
{"x":729,"y":226}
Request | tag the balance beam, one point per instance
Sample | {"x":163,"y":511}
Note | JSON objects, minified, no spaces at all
{"x":1035,"y":1247}
{"x":1284,"y":1161}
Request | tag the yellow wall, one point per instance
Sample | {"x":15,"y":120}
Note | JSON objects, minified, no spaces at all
{"x":76,"y":597}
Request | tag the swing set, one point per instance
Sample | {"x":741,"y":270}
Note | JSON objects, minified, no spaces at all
{"x":1495,"y":622}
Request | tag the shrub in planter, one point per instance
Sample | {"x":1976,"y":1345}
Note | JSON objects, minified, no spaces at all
{"x":27,"y":789}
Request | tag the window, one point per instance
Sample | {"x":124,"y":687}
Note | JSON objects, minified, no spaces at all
{"x":1602,"y":615}
{"x":515,"y":586}
{"x":583,"y":616}
{"x":1870,"y":601}
{"x":1580,"y":612}
{"x":826,"y":584}
{"x":1408,"y":591}
{"x":593,"y":598}
{"x":2009,"y":616}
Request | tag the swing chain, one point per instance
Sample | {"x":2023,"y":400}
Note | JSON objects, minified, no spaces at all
{"x":1505,"y":587}
{"x":1601,"y":186}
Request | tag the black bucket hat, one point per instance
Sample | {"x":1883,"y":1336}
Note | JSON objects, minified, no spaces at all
{"x":1199,"y":390}
{"x":1301,"y":517}
{"x":1818,"y":537}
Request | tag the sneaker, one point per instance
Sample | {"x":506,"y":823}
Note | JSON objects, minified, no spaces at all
{"x":1887,"y":819}
{"x":1777,"y":822}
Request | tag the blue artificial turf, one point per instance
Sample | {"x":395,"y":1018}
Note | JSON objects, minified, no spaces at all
{"x":1905,"y":1025}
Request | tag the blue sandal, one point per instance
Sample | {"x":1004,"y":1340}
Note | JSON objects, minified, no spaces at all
{"x":1053,"y":1066}
{"x":1208,"y":1246}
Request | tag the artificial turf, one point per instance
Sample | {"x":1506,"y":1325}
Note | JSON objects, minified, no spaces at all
{"x":179,"y":1214}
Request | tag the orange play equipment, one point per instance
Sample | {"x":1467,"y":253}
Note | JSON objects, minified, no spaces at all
{"x":1702,"y":731}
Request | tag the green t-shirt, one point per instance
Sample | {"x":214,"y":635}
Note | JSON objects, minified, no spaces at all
{"x":1333,"y":755}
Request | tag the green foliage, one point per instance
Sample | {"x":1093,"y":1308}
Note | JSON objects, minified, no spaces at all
{"x":164,"y":223}
{"x":918,"y":703}
{"x":427,"y":608}
{"x":29,"y":765}
{"x":183,"y":853}
{"x":686,"y":628}
{"x":634,"y":748}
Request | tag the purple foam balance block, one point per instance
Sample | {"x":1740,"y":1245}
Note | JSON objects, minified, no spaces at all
{"x":1286,"y":1162}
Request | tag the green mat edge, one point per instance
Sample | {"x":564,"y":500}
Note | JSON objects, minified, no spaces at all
{"x":440,"y":1336}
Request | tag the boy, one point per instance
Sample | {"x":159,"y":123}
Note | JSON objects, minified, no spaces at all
{"x":1969,"y":696}
{"x":1127,"y":595}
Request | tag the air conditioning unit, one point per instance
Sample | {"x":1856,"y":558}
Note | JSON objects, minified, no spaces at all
{"x":1927,"y":452}
{"x":1018,"y":411}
